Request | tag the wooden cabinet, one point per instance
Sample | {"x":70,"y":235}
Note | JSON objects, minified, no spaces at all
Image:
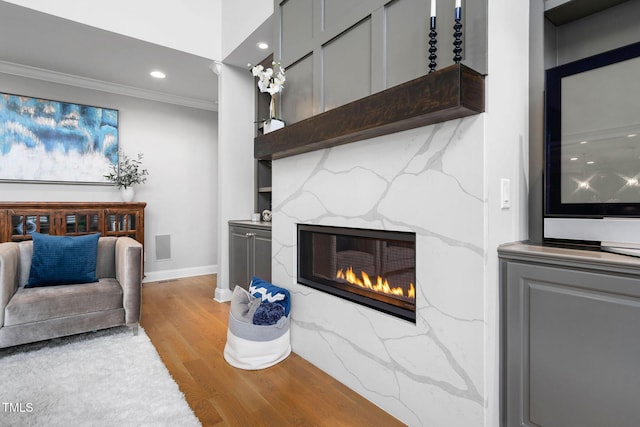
{"x":18,"y":220}
{"x":249,"y":252}
{"x":569,"y":337}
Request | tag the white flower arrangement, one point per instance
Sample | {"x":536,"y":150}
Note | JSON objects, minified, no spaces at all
{"x":269,"y":80}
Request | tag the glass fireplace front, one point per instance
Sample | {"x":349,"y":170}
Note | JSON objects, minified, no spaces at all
{"x":374,"y":268}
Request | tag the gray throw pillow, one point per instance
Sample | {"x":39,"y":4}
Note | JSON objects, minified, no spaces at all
{"x":243,"y":305}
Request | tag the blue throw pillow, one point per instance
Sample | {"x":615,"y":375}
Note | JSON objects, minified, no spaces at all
{"x":63,"y":260}
{"x":270,"y":293}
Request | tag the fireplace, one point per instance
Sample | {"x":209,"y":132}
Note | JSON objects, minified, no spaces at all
{"x":374,"y":268}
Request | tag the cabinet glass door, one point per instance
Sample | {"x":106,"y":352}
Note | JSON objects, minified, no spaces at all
{"x":22,"y":226}
{"x":81,"y":223}
{"x":119,"y":224}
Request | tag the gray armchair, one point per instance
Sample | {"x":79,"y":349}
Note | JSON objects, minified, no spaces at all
{"x":40,"y":313}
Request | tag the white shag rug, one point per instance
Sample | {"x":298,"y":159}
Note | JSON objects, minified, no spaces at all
{"x":105,"y":378}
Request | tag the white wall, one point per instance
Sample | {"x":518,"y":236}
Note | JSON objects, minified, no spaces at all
{"x":191,"y":26}
{"x":180,"y":151}
{"x":506,"y":156}
{"x":241,"y":18}
{"x":236,"y":104}
{"x":236,"y":168}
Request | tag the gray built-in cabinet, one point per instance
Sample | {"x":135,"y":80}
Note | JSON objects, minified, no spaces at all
{"x":559,"y":33}
{"x":570,"y":337}
{"x":249,"y":252}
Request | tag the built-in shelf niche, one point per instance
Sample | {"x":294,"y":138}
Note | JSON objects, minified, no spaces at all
{"x":450,"y":93}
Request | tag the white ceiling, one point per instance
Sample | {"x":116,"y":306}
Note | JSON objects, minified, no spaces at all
{"x":48,"y":47}
{"x":247,"y":54}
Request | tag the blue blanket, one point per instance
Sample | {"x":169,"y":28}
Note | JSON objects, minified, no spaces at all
{"x":268,"y":313}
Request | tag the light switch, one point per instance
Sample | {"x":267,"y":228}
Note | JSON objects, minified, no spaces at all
{"x":505,"y":193}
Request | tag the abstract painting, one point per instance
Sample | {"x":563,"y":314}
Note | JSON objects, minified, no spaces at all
{"x":52,"y":141}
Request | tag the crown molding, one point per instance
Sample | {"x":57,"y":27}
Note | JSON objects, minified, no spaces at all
{"x":103,"y":86}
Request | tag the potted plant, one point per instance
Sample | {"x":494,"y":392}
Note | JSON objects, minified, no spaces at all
{"x":271,"y":80}
{"x":127,"y":172}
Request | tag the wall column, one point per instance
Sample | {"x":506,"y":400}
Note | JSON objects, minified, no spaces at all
{"x":236,"y":168}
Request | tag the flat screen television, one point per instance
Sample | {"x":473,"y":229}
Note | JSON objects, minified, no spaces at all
{"x":592,"y":149}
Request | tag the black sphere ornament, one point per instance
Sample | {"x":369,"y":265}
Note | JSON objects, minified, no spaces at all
{"x":432,"y":45}
{"x":457,"y":36}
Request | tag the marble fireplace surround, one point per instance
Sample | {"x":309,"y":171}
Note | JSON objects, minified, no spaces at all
{"x":427,"y":180}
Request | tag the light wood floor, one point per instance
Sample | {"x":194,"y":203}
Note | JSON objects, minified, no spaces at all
{"x":188,"y":328}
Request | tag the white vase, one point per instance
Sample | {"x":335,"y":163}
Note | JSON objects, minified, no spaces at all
{"x":127,"y":194}
{"x":272,"y":107}
{"x":271,"y":125}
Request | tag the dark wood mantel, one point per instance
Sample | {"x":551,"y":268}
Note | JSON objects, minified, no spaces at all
{"x":450,"y":93}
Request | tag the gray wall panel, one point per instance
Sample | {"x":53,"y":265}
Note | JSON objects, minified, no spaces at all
{"x":406,"y":38}
{"x":474,"y":41}
{"x":576,"y":338}
{"x":339,"y":15}
{"x":296,"y":29}
{"x":347,"y":66}
{"x":298,"y":104}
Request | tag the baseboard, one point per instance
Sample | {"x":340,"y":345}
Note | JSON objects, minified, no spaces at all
{"x":222,"y":295}
{"x":156,"y":276}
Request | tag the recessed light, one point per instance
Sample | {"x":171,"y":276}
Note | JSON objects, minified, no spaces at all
{"x":262,"y":45}
{"x":158,"y":74}
{"x":573,"y":159}
{"x":632,"y":135}
{"x":590,"y":162}
{"x":583,"y":142}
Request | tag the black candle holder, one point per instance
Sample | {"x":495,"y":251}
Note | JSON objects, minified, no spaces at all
{"x":432,"y":45}
{"x":457,"y":36}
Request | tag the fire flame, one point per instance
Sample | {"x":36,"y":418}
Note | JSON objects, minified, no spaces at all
{"x":381,"y":285}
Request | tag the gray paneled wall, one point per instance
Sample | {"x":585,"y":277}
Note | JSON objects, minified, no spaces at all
{"x":297,"y":98}
{"x":346,"y":67}
{"x":338,"y":51}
